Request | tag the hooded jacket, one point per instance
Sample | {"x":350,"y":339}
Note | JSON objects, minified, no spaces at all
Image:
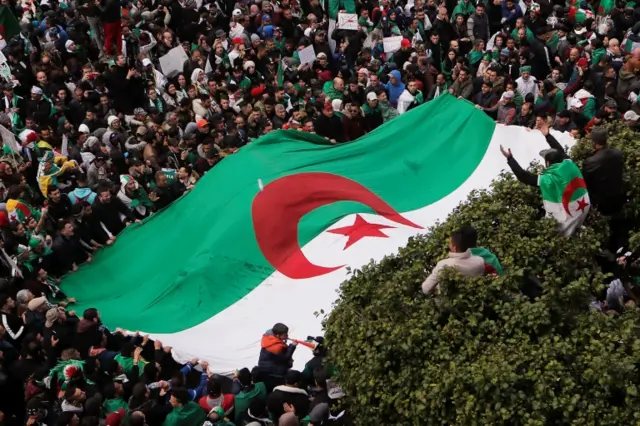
{"x":395,"y":90}
{"x":275,"y":356}
{"x":80,"y":195}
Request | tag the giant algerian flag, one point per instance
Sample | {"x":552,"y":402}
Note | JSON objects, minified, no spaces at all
{"x":267,"y":235}
{"x":564,"y":194}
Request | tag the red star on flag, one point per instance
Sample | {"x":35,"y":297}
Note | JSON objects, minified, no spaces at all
{"x":360,"y":229}
{"x":582,"y":204}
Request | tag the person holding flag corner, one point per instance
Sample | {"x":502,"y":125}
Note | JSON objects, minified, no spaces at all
{"x":564,"y":191}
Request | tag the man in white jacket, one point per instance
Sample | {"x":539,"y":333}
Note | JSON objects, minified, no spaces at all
{"x":410,"y":96}
{"x":460,"y":259}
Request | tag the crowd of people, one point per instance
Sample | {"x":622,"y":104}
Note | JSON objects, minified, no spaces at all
{"x":105,"y":137}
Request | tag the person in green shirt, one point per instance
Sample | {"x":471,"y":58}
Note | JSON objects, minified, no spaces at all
{"x":333,"y":89}
{"x":185,"y":411}
{"x":517,"y":99}
{"x":551,"y":95}
{"x":251,"y":390}
{"x":216,"y":417}
{"x":465,"y":8}
{"x":113,"y":401}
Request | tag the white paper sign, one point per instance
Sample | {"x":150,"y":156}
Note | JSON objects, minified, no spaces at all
{"x":173,"y":61}
{"x":9,"y":139}
{"x":307,"y":55}
{"x":348,"y":21}
{"x":368,"y":42}
{"x":391,"y":44}
{"x":64,"y":148}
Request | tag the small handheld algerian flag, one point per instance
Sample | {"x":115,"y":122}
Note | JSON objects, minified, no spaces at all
{"x":565,"y":196}
{"x":579,"y":15}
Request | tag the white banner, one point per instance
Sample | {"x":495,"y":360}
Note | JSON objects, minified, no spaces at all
{"x":173,"y":62}
{"x":10,"y":140}
{"x":391,"y":44}
{"x":347,"y":21}
{"x":307,"y":55}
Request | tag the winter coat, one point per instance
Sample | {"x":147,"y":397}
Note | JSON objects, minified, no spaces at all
{"x":395,"y":90}
{"x":288,"y":395}
{"x":275,"y":356}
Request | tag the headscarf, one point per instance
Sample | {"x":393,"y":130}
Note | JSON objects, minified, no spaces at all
{"x":201,"y":87}
{"x":67,"y":44}
{"x":138,"y":202}
{"x":111,"y":119}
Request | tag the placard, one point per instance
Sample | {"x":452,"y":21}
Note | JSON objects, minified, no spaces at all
{"x":10,"y":140}
{"x":307,"y":55}
{"x":391,"y":44}
{"x":173,"y":62}
{"x":347,"y":21}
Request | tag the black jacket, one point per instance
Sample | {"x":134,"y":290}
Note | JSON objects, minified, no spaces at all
{"x":373,"y":120}
{"x":602,"y":172}
{"x":66,"y":252}
{"x":330,"y":127}
{"x":14,"y":328}
{"x":109,"y":214}
{"x":288,"y":395}
{"x":529,"y":178}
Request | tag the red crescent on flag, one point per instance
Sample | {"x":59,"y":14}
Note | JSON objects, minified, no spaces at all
{"x":575,"y":184}
{"x":279,"y":207}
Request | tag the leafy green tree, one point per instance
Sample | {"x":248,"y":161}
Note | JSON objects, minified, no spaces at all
{"x":482,"y":352}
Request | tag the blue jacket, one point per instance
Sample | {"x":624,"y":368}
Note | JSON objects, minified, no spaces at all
{"x":395,"y":90}
{"x":81,"y":195}
{"x":510,"y":16}
{"x":196,"y":393}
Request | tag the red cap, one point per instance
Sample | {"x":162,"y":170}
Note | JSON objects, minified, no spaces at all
{"x":237,"y":40}
{"x":405,"y":42}
{"x":582,"y":63}
{"x":202,"y":123}
{"x":115,"y":418}
{"x":328,"y":106}
{"x":257,"y":91}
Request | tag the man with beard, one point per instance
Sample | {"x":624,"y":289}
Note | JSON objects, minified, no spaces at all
{"x":38,"y":107}
{"x":410,"y":98}
{"x":164,"y":193}
{"x":67,"y":251}
{"x":108,"y":209}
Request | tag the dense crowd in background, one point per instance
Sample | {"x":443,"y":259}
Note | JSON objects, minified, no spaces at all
{"x":97,"y":136}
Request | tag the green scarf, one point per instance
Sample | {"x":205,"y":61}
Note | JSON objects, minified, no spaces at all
{"x":463,"y":8}
{"x":596,"y":55}
{"x":158,"y":104}
{"x":475,"y":56}
{"x":112,"y":405}
{"x":126,"y":362}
